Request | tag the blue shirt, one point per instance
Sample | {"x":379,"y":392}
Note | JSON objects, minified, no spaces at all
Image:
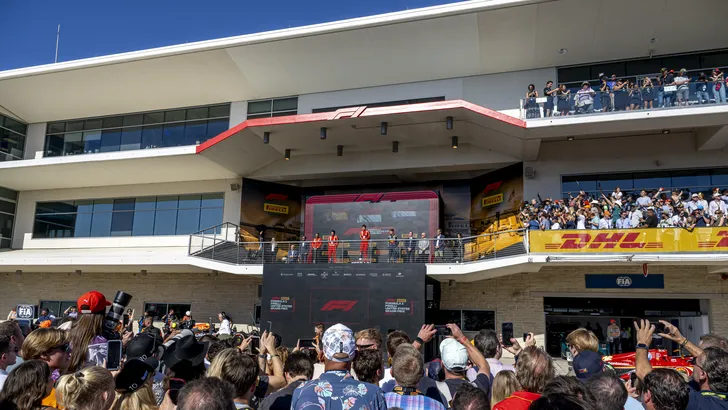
{"x":701,"y":400}
{"x":532,"y":224}
{"x":412,"y":402}
{"x":338,"y":390}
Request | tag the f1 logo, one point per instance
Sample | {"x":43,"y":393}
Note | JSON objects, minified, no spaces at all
{"x":342,"y":305}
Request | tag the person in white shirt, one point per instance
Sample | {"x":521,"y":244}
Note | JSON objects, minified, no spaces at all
{"x":624,"y":222}
{"x":225,"y":325}
{"x":555,"y":225}
{"x":617,"y":194}
{"x":716,"y":204}
{"x":636,"y":218}
{"x":644,"y":200}
{"x":605,"y":222}
{"x":8,"y":355}
{"x":580,"y":220}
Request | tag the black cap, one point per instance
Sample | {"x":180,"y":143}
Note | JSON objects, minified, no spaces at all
{"x":184,"y":348}
{"x":145,"y":345}
{"x":135,"y":373}
{"x":587,"y":364}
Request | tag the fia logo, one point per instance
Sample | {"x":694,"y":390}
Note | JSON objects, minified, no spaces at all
{"x":624,"y":281}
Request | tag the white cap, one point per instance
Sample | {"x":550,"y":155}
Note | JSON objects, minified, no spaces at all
{"x":453,"y":354}
{"x":188,"y":313}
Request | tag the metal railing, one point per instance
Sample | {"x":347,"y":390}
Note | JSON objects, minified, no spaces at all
{"x":224,"y":243}
{"x":656,"y":96}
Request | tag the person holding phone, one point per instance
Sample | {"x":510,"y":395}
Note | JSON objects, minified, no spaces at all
{"x":455,"y":352}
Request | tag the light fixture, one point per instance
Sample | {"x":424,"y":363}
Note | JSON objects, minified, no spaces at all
{"x":395,"y":146}
{"x":570,"y":138}
{"x":266,"y":137}
{"x":339,"y":150}
{"x":455,"y":142}
{"x":563,"y":51}
{"x":449,"y":123}
{"x":323,"y":133}
{"x":665,"y":132}
{"x":288,"y":154}
{"x":383,"y":128}
{"x":234,"y":186}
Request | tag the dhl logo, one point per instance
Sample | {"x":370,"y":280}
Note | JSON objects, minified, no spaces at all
{"x":721,"y":243}
{"x":603,"y":241}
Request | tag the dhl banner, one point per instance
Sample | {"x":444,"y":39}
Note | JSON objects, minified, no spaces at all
{"x":657,"y":240}
{"x":276,"y":209}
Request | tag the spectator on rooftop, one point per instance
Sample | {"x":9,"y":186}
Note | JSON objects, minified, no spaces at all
{"x":549,"y":93}
{"x":563,"y":96}
{"x":718,"y":79}
{"x":669,"y":83}
{"x":531,"y":107}
{"x":635,"y":96}
{"x":604,"y":94}
{"x":585,"y":99}
{"x":682,"y":82}
{"x":648,"y":93}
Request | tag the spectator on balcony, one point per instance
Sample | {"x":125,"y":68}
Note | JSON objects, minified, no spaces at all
{"x":644,"y":199}
{"x":623,"y":222}
{"x":563,"y":96}
{"x":720,"y":219}
{"x":570,"y":222}
{"x":621,"y":95}
{"x":318,"y":242}
{"x":701,"y":89}
{"x":682,"y":82}
{"x":700,"y":218}
{"x":665,"y":221}
{"x":585,"y":99}
{"x":580,"y":219}
{"x":604,"y":94}
{"x":532,"y":110}
{"x":459,"y":248}
{"x":668,"y":82}
{"x":692,"y":205}
{"x":661,"y":88}
{"x":635,"y":96}
{"x":548,"y":92}
{"x":411,"y":246}
{"x":701,"y":200}
{"x":423,"y":248}
{"x":392,"y":246}
{"x":650,"y":220}
{"x":716,"y":204}
{"x":611,"y":84}
{"x":648,"y":93}
{"x":718,"y":80}
{"x":272,"y":251}
{"x":292,"y":254}
{"x":544,"y":223}
{"x":304,"y":250}
{"x":605,"y":222}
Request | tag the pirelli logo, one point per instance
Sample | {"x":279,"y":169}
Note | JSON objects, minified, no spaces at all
{"x":492,"y":200}
{"x":275,"y":209}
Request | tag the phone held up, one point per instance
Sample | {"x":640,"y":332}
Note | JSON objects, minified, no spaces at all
{"x":113,"y":357}
{"x":507,"y":332}
{"x":443,"y":330}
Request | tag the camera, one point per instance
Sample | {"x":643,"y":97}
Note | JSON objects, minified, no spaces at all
{"x":115,"y":315}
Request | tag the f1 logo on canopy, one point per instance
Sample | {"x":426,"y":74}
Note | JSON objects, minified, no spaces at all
{"x":342,"y":305}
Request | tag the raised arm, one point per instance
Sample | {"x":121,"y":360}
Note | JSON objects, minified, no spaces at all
{"x":644,"y":338}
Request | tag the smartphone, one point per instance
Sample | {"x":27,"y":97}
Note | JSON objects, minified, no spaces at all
{"x":255,"y":344}
{"x":306,"y":343}
{"x":633,"y":378}
{"x":659,"y":328}
{"x":174,"y":387}
{"x":443,"y":330}
{"x":507,"y":332}
{"x":126,"y":320}
{"x":525,"y":336}
{"x":113,"y":357}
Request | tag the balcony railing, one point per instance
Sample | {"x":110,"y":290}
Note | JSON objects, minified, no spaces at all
{"x":654,"y":97}
{"x":223,"y":243}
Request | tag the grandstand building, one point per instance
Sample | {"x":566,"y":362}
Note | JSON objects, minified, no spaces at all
{"x":155,"y":171}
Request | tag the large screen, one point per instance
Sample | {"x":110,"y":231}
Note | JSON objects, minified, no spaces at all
{"x":384,"y":296}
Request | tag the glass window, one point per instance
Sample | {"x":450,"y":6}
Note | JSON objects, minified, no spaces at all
{"x":124,"y":204}
{"x":5,"y":243}
{"x":188,"y":221}
{"x":54,"y":145}
{"x":112,"y":122}
{"x":220,"y":111}
{"x":195,"y":132}
{"x":56,"y":127}
{"x":7,"y":207}
{"x":110,"y":140}
{"x":143,"y":224}
{"x":197,"y":113}
{"x":258,"y":107}
{"x":285,"y":104}
{"x":216,"y":127}
{"x":690,"y":178}
{"x":152,"y":136}
{"x":173,"y":135}
{"x":131,"y":139}
{"x":651,"y":181}
{"x":154,"y":117}
{"x":165,"y":222}
{"x":6,"y":225}
{"x":122,"y":223}
{"x":55,"y":207}
{"x":212,"y":200}
{"x":8,"y":194}
{"x":134,"y":119}
{"x":189,"y":201}
{"x":73,"y":126}
{"x":73,"y":144}
{"x":720,"y":178}
{"x":103,"y":205}
{"x":142,"y":204}
{"x":93,"y":124}
{"x":83,"y":225}
{"x":210,"y":217}
{"x":175,"y":115}
{"x":101,"y":224}
{"x":167,"y":202}
{"x":91,"y":142}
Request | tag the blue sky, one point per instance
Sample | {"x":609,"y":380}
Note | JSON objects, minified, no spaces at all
{"x":94,"y":28}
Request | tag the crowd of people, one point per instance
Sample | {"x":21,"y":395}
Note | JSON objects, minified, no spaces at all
{"x":656,"y":209}
{"x":66,"y":369}
{"x":668,"y":89}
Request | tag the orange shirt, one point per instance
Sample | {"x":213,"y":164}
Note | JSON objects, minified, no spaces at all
{"x":317,"y":243}
{"x":364,"y":235}
{"x":333,"y":241}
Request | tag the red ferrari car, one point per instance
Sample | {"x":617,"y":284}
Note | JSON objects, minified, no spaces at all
{"x":623,"y":363}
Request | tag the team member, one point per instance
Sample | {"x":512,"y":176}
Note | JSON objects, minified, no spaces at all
{"x":364,"y":237}
{"x":316,"y":246}
{"x":392,"y":244}
{"x":333,"y":244}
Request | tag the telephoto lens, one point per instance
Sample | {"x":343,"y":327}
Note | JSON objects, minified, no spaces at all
{"x":115,"y":315}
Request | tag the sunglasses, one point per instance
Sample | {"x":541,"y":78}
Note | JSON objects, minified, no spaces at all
{"x":66,"y":347}
{"x":364,"y":347}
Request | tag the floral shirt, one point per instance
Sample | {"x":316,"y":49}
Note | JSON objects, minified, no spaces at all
{"x":338,"y":390}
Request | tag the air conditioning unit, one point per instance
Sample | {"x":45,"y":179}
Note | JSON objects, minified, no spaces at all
{"x":529,"y":172}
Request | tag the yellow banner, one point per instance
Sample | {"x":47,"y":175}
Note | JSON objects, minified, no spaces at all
{"x":276,"y":209}
{"x":492,"y":200}
{"x":630,"y":240}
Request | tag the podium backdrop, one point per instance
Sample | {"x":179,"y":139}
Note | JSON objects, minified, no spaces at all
{"x":298,"y":296}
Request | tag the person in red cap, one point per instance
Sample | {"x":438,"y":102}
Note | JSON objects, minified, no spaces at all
{"x":364,"y":236}
{"x":613,"y":334}
{"x":88,"y":346}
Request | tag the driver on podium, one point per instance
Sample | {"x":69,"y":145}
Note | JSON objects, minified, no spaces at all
{"x":364,"y":236}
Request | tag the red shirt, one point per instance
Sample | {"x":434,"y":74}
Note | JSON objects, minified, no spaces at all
{"x":519,"y":400}
{"x":333,"y":241}
{"x":317,"y":242}
{"x":364,"y":235}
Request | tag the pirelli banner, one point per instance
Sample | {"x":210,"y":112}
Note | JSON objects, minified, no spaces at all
{"x":667,"y":240}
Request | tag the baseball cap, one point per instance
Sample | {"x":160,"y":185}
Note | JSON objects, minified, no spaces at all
{"x":454,"y":356}
{"x":92,"y":302}
{"x":716,"y":195}
{"x":694,"y":195}
{"x":587,"y":364}
{"x":135,"y":373}
{"x":145,"y":345}
{"x":339,"y":344}
{"x":188,"y":313}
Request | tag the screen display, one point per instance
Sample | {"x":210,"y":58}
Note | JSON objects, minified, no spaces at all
{"x":384,"y":296}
